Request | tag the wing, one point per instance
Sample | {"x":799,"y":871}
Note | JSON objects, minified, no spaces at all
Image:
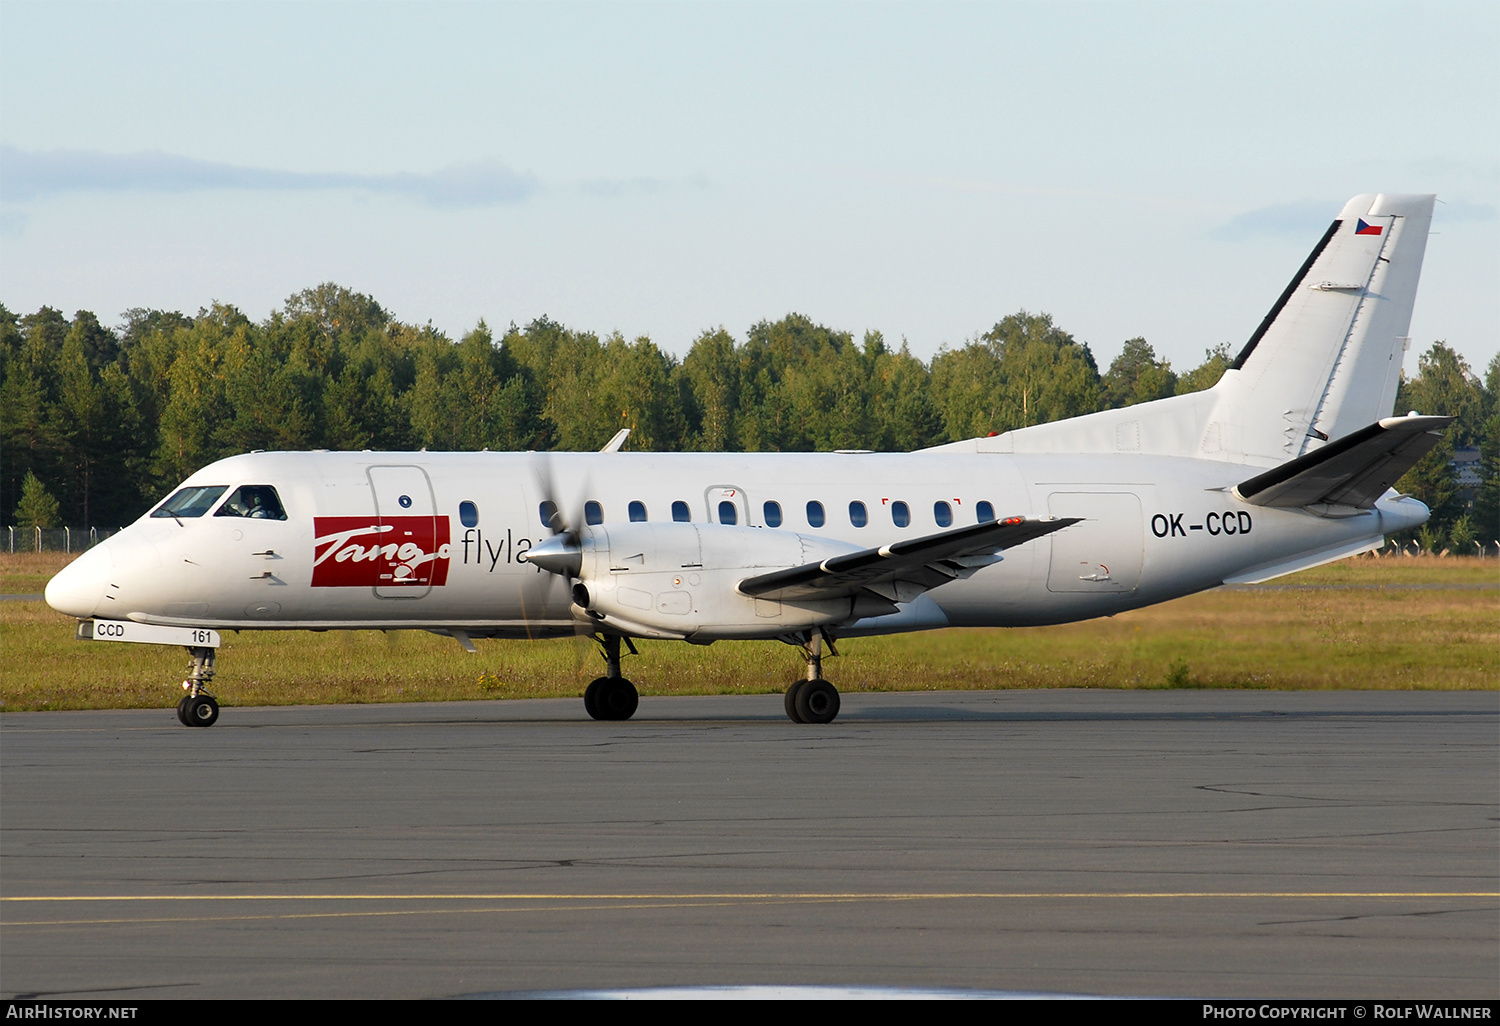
{"x":903,"y":570}
{"x":1353,"y":471}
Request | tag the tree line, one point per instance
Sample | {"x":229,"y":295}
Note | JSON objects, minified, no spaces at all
{"x":97,"y":422}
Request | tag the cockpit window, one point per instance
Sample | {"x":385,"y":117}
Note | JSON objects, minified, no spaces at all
{"x":258,"y":502}
{"x":190,"y":502}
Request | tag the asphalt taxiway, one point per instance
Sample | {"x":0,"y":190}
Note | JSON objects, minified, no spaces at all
{"x":1223,"y":844}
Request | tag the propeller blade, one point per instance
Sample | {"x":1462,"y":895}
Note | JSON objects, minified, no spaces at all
{"x":561,"y":554}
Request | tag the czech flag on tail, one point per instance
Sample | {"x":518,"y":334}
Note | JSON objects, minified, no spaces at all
{"x":1368,"y":229}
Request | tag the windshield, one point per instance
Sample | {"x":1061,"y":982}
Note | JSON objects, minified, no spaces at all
{"x":190,"y":502}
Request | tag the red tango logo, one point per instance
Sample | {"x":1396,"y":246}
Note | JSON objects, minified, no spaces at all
{"x":380,"y":552}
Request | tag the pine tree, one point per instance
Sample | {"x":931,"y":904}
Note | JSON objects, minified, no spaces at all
{"x":36,"y":508}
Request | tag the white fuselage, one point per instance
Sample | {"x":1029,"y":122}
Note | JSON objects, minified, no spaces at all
{"x":1153,"y":528}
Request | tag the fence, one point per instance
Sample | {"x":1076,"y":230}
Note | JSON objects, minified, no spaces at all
{"x":1412,"y":548}
{"x":54,"y":539}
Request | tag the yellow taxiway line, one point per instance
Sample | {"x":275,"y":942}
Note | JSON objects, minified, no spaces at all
{"x":531,"y":903}
{"x":759,"y":896}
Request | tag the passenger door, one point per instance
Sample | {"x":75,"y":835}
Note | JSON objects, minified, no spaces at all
{"x":412,"y":535}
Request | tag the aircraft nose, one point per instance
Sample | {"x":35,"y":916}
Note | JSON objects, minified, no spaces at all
{"x":79,"y":588}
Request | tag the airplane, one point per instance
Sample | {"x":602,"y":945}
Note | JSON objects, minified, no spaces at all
{"x":1285,"y":464}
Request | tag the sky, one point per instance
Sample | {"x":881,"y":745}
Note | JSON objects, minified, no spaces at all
{"x":662,"y":169}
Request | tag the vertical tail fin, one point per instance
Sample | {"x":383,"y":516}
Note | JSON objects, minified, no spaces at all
{"x":1327,"y":358}
{"x":1325,"y":362}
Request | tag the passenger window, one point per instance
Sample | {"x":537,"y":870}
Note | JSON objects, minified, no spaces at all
{"x":680,"y":512}
{"x":468,"y":514}
{"x":727,"y":513}
{"x":773,"y":514}
{"x":815,"y":514}
{"x":258,"y":502}
{"x":550,"y":520}
{"x":190,"y":502}
{"x":985,"y":511}
{"x":637,"y":511}
{"x":943,"y":514}
{"x":593,"y":513}
{"x":900,"y":514}
{"x":857,"y":515}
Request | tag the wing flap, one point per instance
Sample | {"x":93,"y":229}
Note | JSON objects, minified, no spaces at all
{"x":902,"y":570}
{"x":1353,"y":471}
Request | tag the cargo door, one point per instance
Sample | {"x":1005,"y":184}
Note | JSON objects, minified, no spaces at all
{"x":1102,"y":553}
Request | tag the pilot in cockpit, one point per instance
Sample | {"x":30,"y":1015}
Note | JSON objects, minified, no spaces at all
{"x":258,"y":502}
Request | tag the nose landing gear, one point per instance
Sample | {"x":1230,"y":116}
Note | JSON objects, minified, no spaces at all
{"x":198,"y":708}
{"x":198,"y":711}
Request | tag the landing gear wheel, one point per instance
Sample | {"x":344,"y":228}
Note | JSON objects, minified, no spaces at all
{"x":201,"y":711}
{"x":790,"y":701}
{"x":182,"y":710}
{"x":817,"y":701}
{"x":617,"y":699}
{"x":591,"y":697}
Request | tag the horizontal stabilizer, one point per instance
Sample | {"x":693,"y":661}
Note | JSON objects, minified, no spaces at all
{"x":903,"y":570}
{"x":1353,"y":471}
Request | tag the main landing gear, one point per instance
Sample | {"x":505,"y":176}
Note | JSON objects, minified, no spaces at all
{"x":611,"y":697}
{"x":198,"y":708}
{"x":813,"y":700}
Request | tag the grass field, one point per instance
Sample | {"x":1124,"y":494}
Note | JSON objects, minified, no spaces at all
{"x":1404,"y":623}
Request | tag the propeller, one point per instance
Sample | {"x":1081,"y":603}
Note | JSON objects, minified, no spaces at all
{"x":562,"y":553}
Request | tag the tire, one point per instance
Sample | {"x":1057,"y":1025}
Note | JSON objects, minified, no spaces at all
{"x":817,"y":702}
{"x":591,"y":698}
{"x":617,"y":699}
{"x":790,"y":701}
{"x":182,"y":710}
{"x":202,"y":711}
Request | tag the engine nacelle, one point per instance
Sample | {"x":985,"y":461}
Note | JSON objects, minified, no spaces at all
{"x":678,"y":581}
